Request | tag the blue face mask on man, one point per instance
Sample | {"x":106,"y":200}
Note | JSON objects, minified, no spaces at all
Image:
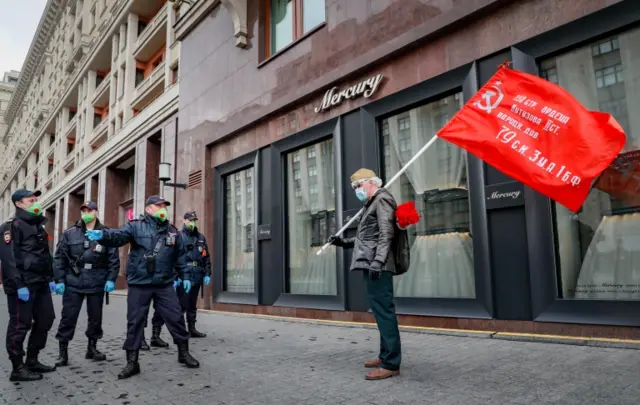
{"x":361,"y":194}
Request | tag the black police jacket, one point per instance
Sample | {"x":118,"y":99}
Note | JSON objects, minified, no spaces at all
{"x":375,"y":234}
{"x":84,"y":266}
{"x":24,"y":252}
{"x":156,"y":250}
{"x":197,"y":251}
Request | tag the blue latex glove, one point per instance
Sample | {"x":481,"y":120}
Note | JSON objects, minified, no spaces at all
{"x":109,"y":286}
{"x":52,"y":287}
{"x":93,"y":234}
{"x":60,"y":288}
{"x":23,"y":294}
{"x":176,"y":283}
{"x":187,"y":285}
{"x":207,"y":280}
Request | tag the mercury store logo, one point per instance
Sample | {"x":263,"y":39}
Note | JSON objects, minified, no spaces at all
{"x":491,"y":99}
{"x":496,"y":195}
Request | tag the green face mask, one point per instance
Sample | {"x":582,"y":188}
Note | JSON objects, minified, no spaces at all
{"x":191,"y":225}
{"x":161,"y":214}
{"x":34,"y":209}
{"x":87,"y":217}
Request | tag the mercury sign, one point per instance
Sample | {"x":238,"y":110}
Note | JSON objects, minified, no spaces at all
{"x":334,"y":97}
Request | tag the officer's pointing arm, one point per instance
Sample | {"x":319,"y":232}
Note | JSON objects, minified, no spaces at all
{"x":9,"y":271}
{"x":118,"y":237}
{"x":61,"y":260}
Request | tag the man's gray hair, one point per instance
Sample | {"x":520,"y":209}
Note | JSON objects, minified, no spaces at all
{"x":377,"y":181}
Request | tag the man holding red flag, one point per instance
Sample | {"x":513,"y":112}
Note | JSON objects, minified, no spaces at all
{"x":537,"y":133}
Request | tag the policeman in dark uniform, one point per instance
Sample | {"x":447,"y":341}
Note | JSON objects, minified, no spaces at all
{"x":156,"y":249}
{"x":83,"y":269}
{"x":199,"y":260}
{"x":27,"y":277}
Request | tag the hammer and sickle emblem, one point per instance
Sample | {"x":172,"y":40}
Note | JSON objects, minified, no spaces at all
{"x":488,"y":96}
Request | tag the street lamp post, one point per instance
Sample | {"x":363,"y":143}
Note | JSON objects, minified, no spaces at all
{"x":165,"y":176}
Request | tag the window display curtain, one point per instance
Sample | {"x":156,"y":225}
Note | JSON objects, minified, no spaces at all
{"x":441,"y":264}
{"x":612,"y":254}
{"x":240,"y":255}
{"x":310,"y":273}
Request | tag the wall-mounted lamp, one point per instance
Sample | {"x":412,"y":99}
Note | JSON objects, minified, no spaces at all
{"x":165,"y":176}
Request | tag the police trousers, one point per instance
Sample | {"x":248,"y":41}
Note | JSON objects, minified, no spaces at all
{"x":71,"y":306}
{"x":188,"y":304}
{"x":166,"y":305}
{"x":36,"y":315}
{"x":380,"y":294}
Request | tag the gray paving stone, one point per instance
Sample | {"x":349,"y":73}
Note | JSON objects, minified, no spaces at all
{"x":247,"y":360}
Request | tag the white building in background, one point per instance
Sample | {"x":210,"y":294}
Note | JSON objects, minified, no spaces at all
{"x":94,"y":109}
{"x":7,"y":85}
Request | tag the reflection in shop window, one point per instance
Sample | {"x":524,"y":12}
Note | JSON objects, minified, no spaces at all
{"x":311,"y":217}
{"x":288,"y":20}
{"x":599,"y":247}
{"x":239,"y":227}
{"x":441,"y":245}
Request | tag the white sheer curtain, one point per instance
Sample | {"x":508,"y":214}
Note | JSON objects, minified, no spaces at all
{"x":441,"y":262}
{"x":598,"y":248}
{"x":240,"y":265}
{"x":311,"y":198}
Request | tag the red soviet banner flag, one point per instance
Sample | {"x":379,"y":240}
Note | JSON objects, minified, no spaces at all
{"x":537,"y":133}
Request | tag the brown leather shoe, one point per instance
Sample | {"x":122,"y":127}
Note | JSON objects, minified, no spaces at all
{"x":381,"y":373}
{"x":373,"y":363}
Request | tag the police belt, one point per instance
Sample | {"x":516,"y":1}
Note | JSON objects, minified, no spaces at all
{"x":90,"y":266}
{"x":194,"y":264}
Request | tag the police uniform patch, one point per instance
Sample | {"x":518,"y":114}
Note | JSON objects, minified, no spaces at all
{"x":7,"y":237}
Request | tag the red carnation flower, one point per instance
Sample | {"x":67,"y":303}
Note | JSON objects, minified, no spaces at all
{"x":407,"y":215}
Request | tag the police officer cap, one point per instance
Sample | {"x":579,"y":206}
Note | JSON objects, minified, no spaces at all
{"x":191,"y":215}
{"x":90,"y":204}
{"x":156,"y":199}
{"x":23,"y":193}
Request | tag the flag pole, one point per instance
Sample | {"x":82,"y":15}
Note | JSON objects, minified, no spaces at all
{"x":394,"y":178}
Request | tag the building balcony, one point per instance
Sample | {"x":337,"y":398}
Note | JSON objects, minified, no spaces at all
{"x":149,"y":89}
{"x":100,"y":134}
{"x":101,"y":95}
{"x":80,"y":47}
{"x":69,"y":162}
{"x":153,"y":37}
{"x":174,"y":53}
{"x":70,"y":131}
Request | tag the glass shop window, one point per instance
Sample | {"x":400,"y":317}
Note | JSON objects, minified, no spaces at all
{"x":441,"y":246}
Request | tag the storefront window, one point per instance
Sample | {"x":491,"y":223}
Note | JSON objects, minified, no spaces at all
{"x":239,"y":226}
{"x":441,"y":245}
{"x":311,"y":216}
{"x":599,"y":247}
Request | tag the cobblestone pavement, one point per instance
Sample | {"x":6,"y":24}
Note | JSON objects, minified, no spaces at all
{"x":247,"y":360}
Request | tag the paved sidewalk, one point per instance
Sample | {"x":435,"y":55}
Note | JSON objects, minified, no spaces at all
{"x":246,"y":360}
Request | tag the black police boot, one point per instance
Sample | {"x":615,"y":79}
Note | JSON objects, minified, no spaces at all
{"x":184,"y":357}
{"x":21,"y":372}
{"x":132,"y":368}
{"x":193,"y":332}
{"x":63,"y":355}
{"x":93,"y":352}
{"x":34,"y":365}
{"x":144,"y":346}
{"x":156,"y":341}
